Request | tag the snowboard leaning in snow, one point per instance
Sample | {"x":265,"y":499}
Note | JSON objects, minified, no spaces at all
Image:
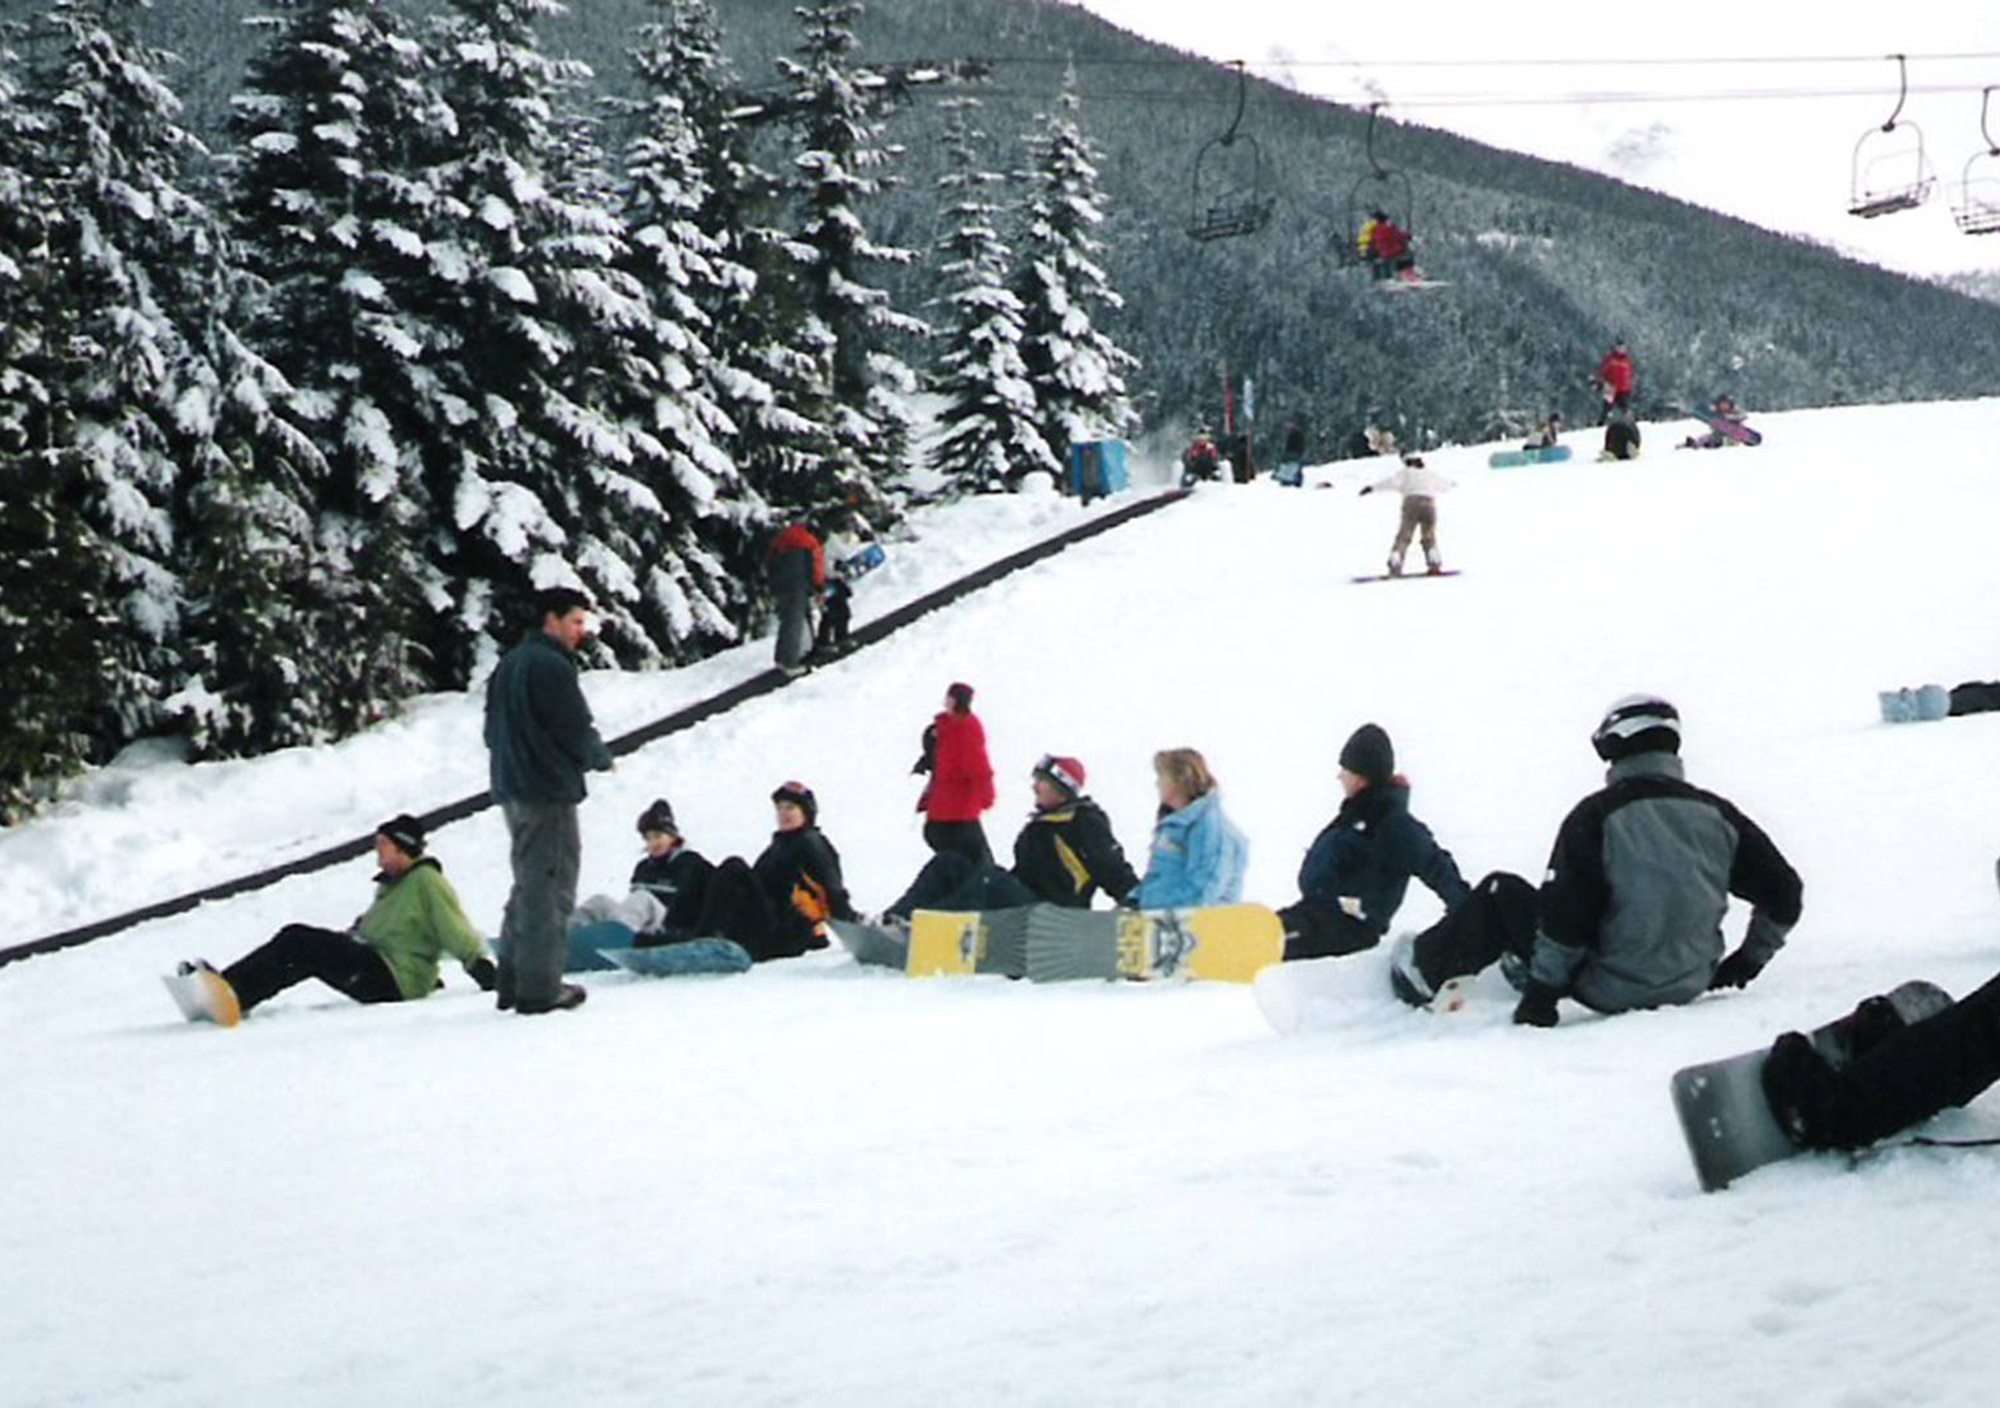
{"x":958,"y":943}
{"x":876,"y":945}
{"x":1514,"y":459}
{"x":204,"y":996}
{"x":677,"y":960}
{"x":1723,"y":1112}
{"x":1223,"y":943}
{"x":1413,"y":575}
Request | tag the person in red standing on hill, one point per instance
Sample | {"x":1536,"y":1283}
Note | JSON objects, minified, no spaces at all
{"x":796,"y":560}
{"x":961,"y":786}
{"x":1614,"y":380}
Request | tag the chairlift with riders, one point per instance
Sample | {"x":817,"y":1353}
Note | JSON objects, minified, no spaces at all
{"x":1379,"y":191}
{"x":1891,"y":173}
{"x":1231,"y":193}
{"x":1978,"y":208}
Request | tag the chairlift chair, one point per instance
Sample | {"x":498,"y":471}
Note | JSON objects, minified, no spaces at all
{"x":1891,"y":173}
{"x":1231,"y":194}
{"x":1978,"y":208}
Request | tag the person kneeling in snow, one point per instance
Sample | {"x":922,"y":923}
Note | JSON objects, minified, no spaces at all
{"x":389,"y":954}
{"x":1630,"y":915}
{"x":1360,"y":865}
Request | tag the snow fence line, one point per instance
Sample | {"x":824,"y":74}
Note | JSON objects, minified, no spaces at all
{"x":765,"y":682}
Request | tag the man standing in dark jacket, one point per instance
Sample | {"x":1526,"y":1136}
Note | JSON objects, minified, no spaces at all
{"x":1359,"y":867}
{"x":1631,"y":912}
{"x":797,"y":563}
{"x":540,"y":741}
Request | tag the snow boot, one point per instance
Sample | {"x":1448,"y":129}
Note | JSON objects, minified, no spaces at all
{"x":568,"y":996}
{"x":1410,"y":984}
{"x":1803,"y":1090}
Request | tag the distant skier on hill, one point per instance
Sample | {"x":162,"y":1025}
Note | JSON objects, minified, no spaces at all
{"x":1615,"y":380}
{"x":1201,"y":461}
{"x":1292,"y":456}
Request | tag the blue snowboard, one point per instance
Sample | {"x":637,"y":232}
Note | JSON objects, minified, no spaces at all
{"x":1514,"y":459}
{"x":693,"y":956}
{"x":587,"y":942}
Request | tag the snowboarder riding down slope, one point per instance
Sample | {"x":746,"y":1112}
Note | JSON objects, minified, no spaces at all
{"x":1419,"y":487}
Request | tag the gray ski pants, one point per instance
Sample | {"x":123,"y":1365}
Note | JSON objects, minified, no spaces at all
{"x":546,"y":851}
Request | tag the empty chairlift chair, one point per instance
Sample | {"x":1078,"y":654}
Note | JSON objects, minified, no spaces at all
{"x":1231,"y":191}
{"x":1891,"y":170}
{"x":1978,"y":208}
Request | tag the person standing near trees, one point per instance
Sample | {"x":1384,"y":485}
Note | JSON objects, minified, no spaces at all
{"x":797,"y":563}
{"x":540,"y":741}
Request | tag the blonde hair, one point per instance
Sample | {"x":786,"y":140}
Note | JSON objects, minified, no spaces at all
{"x":1186,"y":770}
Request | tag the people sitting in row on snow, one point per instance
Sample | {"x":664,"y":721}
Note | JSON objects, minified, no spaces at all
{"x":390,"y":953}
{"x":1630,"y":914}
{"x":1419,"y":486}
{"x":960,"y":779}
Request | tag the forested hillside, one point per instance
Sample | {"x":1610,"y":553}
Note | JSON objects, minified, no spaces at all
{"x":1547,"y":264}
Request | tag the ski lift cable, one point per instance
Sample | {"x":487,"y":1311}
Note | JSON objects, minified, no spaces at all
{"x":1182,"y":61}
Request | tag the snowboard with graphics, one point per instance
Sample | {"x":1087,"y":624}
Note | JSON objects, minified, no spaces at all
{"x":959,"y":943}
{"x":1228,"y":943}
{"x":1724,"y":1114}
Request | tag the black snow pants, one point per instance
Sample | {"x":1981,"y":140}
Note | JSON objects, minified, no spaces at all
{"x":953,"y":881}
{"x":299,"y":951}
{"x":1940,"y":1062}
{"x":1499,"y":916}
{"x":736,"y":907}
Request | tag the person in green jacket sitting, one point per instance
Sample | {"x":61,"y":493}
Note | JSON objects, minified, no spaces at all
{"x":389,"y":954}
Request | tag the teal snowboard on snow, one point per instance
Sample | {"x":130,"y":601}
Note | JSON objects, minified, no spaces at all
{"x":1514,"y":459}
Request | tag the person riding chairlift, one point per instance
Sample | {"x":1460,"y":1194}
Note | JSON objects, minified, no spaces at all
{"x":1386,"y":247}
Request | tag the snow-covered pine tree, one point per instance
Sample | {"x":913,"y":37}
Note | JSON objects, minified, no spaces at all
{"x":716,"y":522}
{"x":773,"y":367}
{"x":90,"y":582}
{"x":536,"y":468}
{"x":328,"y":200}
{"x":1078,"y":372}
{"x":991,"y":425}
{"x":839,"y":164}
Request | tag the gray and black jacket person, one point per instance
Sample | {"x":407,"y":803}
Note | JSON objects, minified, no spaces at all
{"x":1638,"y":882}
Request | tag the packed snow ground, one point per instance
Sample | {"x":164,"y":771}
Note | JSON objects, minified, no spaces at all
{"x":817,"y":1184}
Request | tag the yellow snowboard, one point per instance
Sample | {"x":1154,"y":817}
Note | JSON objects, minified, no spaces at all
{"x":1228,"y":943}
{"x":956,"y":944}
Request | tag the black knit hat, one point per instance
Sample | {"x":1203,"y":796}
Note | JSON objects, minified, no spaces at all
{"x":658,"y":817}
{"x":800,"y":796}
{"x":1637,"y":723}
{"x":1368,"y":753}
{"x":960,"y":694}
{"x":406,"y":832}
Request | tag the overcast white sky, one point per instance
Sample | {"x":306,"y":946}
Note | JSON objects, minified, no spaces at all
{"x":1592,"y":83}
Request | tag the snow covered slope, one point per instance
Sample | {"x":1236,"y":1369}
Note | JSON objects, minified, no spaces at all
{"x":815,"y":1184}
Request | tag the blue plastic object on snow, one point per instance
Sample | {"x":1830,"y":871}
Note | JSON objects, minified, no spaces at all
{"x":1099,"y":468}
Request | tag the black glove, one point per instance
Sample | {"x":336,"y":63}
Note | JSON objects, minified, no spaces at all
{"x":485,"y":972}
{"x":1735,"y":971}
{"x":1537,"y":1007}
{"x":1369,"y":490}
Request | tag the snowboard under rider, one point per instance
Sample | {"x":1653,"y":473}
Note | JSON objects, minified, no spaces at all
{"x":390,"y":953}
{"x":1630,"y":914}
{"x":1359,"y":867}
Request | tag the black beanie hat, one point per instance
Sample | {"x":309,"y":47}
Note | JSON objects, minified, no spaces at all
{"x":960,"y":694}
{"x":407,"y":833}
{"x":658,"y":817}
{"x":1369,"y":754}
{"x":800,"y":796}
